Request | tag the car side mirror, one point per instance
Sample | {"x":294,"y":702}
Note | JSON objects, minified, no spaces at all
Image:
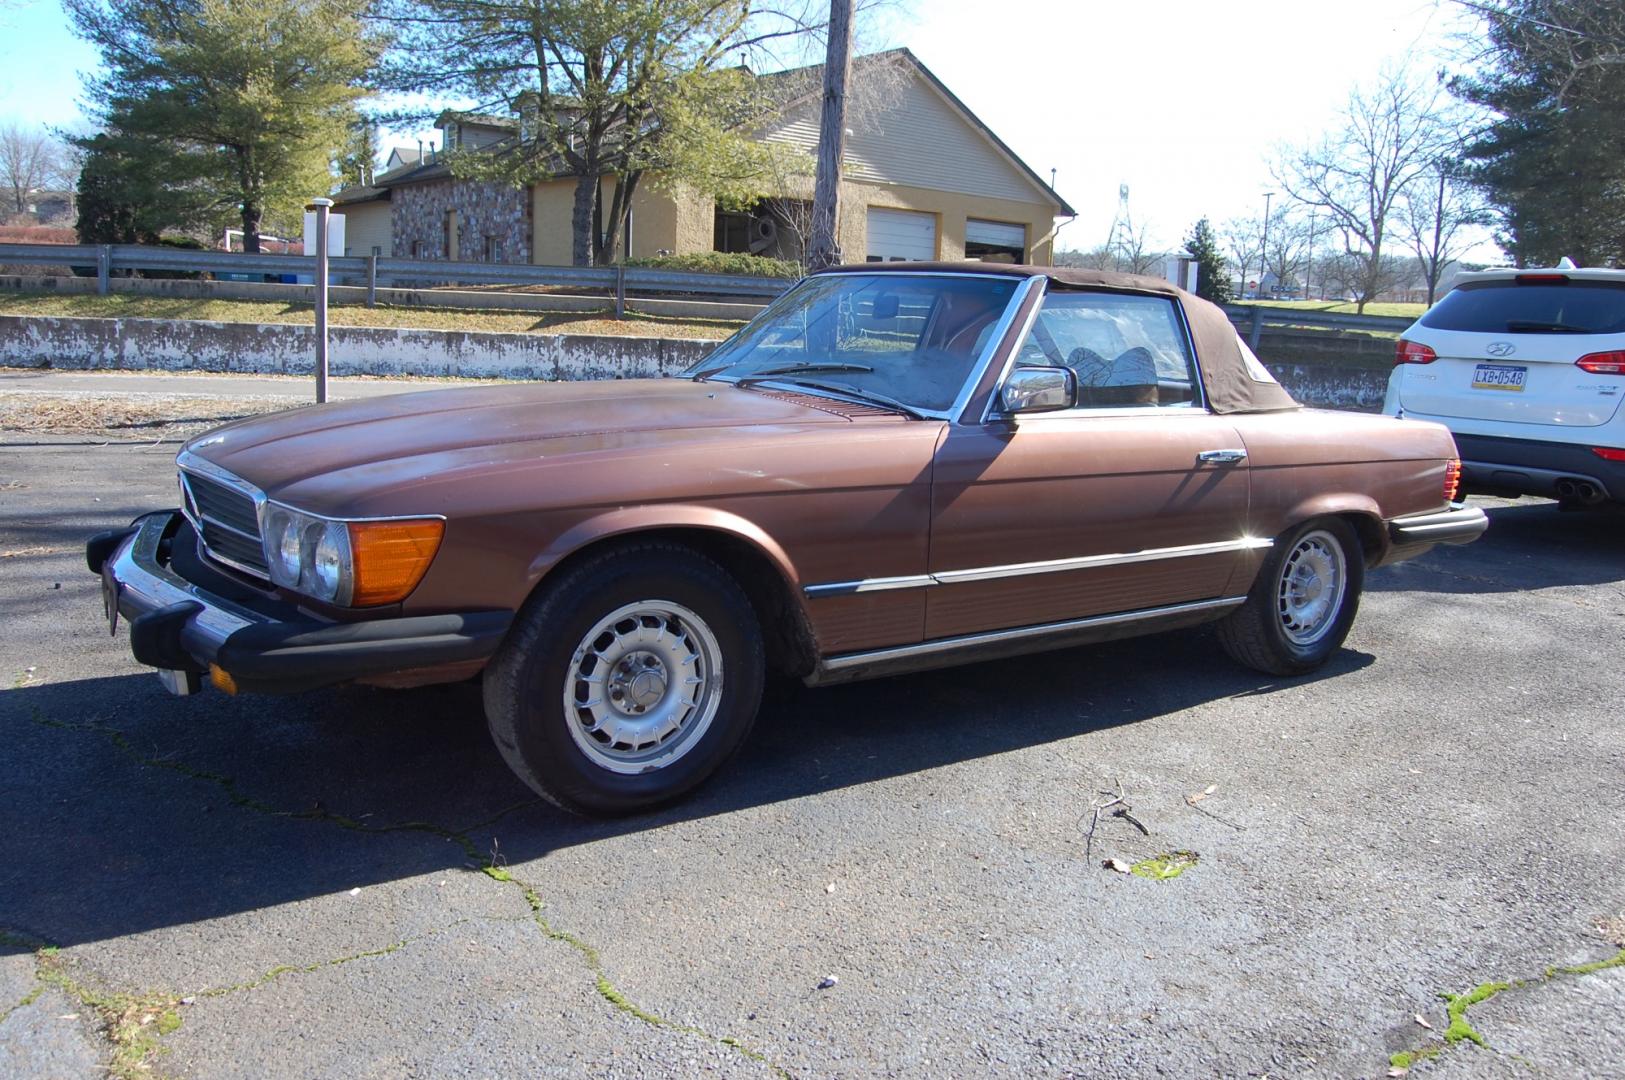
{"x":1039,"y":389}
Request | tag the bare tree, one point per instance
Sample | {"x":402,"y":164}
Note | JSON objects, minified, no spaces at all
{"x":1243,"y":239}
{"x":31,"y":159}
{"x":1434,"y":212}
{"x":1287,"y":249}
{"x":1386,"y":138}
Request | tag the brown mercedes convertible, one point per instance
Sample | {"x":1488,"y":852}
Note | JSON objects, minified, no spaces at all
{"x":892,"y":468}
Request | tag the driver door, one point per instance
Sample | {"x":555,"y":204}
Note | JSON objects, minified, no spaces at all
{"x":1136,"y":498}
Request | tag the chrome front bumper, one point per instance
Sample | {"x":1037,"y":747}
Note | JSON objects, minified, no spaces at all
{"x":177,"y":625}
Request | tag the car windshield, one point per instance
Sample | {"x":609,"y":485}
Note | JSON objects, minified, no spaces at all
{"x":1511,"y":307}
{"x":909,"y":340}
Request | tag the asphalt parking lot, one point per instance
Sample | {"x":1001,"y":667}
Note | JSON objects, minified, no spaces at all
{"x":893,"y":880}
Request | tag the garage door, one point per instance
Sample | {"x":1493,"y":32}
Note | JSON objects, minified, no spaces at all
{"x":901,"y":236}
{"x":995,"y":234}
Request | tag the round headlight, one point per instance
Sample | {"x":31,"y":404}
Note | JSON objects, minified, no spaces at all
{"x":328,"y":562}
{"x":282,"y":546}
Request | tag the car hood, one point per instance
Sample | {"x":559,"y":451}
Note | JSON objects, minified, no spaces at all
{"x":320,"y":456}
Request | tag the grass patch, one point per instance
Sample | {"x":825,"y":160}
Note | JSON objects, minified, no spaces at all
{"x":148,"y":416}
{"x":1396,"y":308}
{"x":1165,"y":866}
{"x":134,"y":306}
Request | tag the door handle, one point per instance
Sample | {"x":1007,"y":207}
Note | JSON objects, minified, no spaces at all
{"x":1222,"y":457}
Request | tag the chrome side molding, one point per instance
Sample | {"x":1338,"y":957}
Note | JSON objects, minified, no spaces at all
{"x":1051,"y":566}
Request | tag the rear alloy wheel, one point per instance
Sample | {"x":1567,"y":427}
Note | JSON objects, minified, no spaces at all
{"x":627,"y":682}
{"x":1302,"y":603}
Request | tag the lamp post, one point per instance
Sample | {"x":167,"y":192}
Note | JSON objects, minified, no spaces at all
{"x":1264,"y":245}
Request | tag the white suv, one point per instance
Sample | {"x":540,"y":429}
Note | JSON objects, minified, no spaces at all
{"x":1527,"y":370}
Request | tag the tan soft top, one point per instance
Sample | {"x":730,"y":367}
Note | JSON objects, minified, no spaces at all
{"x":1234,"y":380}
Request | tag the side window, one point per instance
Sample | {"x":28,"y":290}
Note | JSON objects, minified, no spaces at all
{"x":1128,"y":350}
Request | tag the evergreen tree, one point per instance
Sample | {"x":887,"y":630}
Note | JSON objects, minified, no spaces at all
{"x":1212,"y":277}
{"x":1552,"y":163}
{"x":249,"y":99}
{"x":359,"y":158}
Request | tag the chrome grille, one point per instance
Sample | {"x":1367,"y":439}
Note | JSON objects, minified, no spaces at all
{"x":227,"y":518}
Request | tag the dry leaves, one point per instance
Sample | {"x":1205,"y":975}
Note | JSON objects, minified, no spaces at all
{"x":1200,"y":795}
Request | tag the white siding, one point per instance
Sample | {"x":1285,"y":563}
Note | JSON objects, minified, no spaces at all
{"x":919,"y":141}
{"x":366,"y":226}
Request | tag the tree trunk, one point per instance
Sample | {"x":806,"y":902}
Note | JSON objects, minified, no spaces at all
{"x":620,"y":209}
{"x":251,"y":226}
{"x":826,"y":213}
{"x":581,"y":245}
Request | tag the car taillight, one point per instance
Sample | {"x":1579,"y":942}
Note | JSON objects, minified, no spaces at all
{"x":1452,"y":480}
{"x":1410,"y":352}
{"x":1603,"y":363}
{"x":1608,"y":453}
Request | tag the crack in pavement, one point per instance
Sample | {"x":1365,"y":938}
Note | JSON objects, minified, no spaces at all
{"x":135,"y":1024}
{"x":488,"y":864}
{"x":1457,"y":1006}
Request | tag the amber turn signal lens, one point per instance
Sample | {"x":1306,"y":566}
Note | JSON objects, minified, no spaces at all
{"x":390,"y":558}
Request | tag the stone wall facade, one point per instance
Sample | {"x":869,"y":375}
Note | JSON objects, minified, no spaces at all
{"x":484,"y":211}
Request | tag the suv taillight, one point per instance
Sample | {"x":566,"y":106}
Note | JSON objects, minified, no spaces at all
{"x":1409,"y":352}
{"x":1452,"y":480}
{"x":1603,"y":363}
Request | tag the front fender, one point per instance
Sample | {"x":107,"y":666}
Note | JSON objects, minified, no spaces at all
{"x":641,"y":519}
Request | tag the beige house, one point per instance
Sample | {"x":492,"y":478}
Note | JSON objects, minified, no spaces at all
{"x":923,"y":179}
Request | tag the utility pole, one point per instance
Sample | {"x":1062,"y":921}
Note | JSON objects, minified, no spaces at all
{"x":825,"y":248}
{"x":1309,"y":256}
{"x":1264,"y":245}
{"x":321,"y":208}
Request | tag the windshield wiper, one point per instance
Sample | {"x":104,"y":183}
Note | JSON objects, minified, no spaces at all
{"x":797,"y":369}
{"x":862,"y":395}
{"x":1520,"y":327}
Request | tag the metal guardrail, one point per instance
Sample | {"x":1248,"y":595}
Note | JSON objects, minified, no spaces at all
{"x":614,"y":281}
{"x":1252,"y":318}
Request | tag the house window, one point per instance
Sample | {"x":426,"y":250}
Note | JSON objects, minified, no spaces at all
{"x":417,"y":249}
{"x":493,"y":249}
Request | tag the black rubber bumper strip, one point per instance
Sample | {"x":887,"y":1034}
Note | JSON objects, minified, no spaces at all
{"x":293,"y":657}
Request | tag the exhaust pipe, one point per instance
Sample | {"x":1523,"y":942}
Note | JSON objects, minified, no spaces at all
{"x":1575,"y":491}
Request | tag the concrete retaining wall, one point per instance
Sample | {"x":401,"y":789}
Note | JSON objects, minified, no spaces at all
{"x":179,"y":345}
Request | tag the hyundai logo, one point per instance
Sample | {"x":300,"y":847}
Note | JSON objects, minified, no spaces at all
{"x":1501,"y":348}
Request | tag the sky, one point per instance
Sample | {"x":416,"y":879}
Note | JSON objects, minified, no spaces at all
{"x":1185,"y":101}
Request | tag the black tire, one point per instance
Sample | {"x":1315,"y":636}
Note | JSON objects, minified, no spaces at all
{"x":1256,"y":634}
{"x":525,"y":684}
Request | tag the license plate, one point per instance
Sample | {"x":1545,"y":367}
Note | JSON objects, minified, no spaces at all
{"x":110,"y":590}
{"x":1500,"y":377}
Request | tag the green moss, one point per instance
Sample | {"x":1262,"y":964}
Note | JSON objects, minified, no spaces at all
{"x":1617,"y":960}
{"x":1457,"y":1006}
{"x":1162,"y":867}
{"x":1406,"y":1058}
{"x":133,"y":1023}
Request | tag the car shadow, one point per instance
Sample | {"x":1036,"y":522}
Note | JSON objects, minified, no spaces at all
{"x":1529,"y":545}
{"x":128,"y":810}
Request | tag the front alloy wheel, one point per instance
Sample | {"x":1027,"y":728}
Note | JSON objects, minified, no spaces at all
{"x":628,"y":681}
